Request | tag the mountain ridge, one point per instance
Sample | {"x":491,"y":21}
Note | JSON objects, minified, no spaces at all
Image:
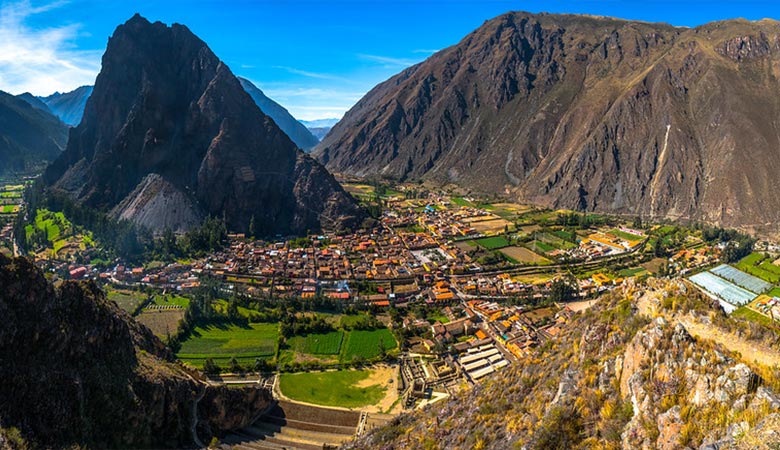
{"x":176,"y":137}
{"x":573,"y":111}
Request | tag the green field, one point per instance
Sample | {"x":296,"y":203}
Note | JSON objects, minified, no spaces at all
{"x":366,"y":344}
{"x":542,"y":247}
{"x":223,"y":341}
{"x":460,"y":201}
{"x":13,"y":194}
{"x":335,"y":388}
{"x":632,"y":272}
{"x":317,"y":344}
{"x":748,"y":314}
{"x":757,"y":265}
{"x":171,"y":300}
{"x":493,"y":243}
{"x":624,"y":235}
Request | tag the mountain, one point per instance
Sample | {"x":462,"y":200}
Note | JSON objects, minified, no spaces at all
{"x":34,"y":101}
{"x":79,"y":370}
{"x":586,"y":113}
{"x":628,"y":373}
{"x":169,"y":136}
{"x":294,"y":129}
{"x":320,"y":127}
{"x":29,"y":136}
{"x":69,"y":107}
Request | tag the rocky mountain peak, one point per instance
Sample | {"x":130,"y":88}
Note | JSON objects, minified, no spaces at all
{"x":164,"y":106}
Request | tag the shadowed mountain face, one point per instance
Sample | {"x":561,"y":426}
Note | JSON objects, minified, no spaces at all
{"x":29,"y":135}
{"x":76,"y":369}
{"x":320,"y":127}
{"x":295,"y":130}
{"x":69,"y":107}
{"x":170,"y":136}
{"x":586,"y":113}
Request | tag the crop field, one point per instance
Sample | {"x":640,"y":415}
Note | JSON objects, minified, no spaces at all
{"x":541,"y":246}
{"x":755,"y":264}
{"x":366,"y":344}
{"x":493,"y":243}
{"x":318,"y":344}
{"x":524,"y":256}
{"x":163,"y":322}
{"x":127,"y":300}
{"x":223,"y":341}
{"x":9,"y":209}
{"x":344,"y":388}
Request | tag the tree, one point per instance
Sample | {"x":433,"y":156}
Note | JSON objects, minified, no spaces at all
{"x":561,"y":291}
{"x":210,"y":368}
{"x":252,"y":227}
{"x":659,"y":249}
{"x":234,"y":367}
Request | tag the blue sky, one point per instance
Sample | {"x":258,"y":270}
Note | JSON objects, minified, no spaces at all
{"x":317,"y":58}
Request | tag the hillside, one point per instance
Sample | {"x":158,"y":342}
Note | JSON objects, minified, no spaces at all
{"x":626,"y":374}
{"x":29,"y":136}
{"x":69,"y":106}
{"x":76,"y":369}
{"x":169,"y":137}
{"x":320,"y":127}
{"x":291,"y":127}
{"x":586,"y":113}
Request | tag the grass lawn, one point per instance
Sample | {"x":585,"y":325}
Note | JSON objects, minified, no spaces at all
{"x":365,"y":344}
{"x":634,"y":271}
{"x":336,"y":388}
{"x":775,"y":292}
{"x":318,"y":344}
{"x":493,"y":243}
{"x":543,"y":247}
{"x":224,"y":340}
{"x":171,"y":300}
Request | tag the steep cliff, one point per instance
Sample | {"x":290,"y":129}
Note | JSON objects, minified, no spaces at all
{"x":169,"y":127}
{"x":588,"y":113}
{"x":76,"y":369}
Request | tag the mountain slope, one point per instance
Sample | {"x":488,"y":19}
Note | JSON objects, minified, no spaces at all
{"x":69,"y":106}
{"x":34,"y":101}
{"x":585,"y":113}
{"x":169,"y":136}
{"x":29,"y":136}
{"x":76,"y":369}
{"x":615,"y":379}
{"x":294,"y":129}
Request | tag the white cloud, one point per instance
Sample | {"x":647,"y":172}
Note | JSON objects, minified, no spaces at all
{"x":388,"y":61}
{"x":43,"y":60}
{"x":311,"y":103}
{"x":425,"y":51}
{"x":306,"y":73}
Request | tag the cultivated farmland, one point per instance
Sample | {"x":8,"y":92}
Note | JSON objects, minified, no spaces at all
{"x":224,"y":341}
{"x":366,"y":344}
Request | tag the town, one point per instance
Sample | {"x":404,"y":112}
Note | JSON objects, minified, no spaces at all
{"x":444,"y":290}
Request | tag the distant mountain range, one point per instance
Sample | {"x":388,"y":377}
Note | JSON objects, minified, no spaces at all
{"x":30,"y":136}
{"x":587,"y":113}
{"x":319,"y":127}
{"x":164,"y":146}
{"x":69,"y":107}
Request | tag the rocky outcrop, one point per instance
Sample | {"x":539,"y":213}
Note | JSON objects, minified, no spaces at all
{"x":29,"y":135}
{"x":586,"y":113}
{"x":76,"y":369}
{"x":165,"y":106}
